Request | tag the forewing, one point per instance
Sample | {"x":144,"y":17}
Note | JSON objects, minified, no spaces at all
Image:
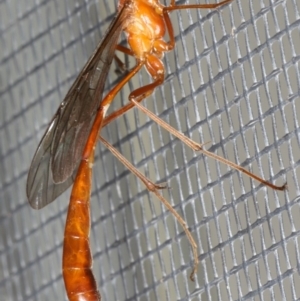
{"x":58,"y":155}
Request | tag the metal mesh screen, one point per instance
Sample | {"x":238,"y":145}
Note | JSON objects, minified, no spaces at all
{"x":232,"y":81}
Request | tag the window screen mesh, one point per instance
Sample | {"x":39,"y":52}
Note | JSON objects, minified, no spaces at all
{"x":231,"y":82}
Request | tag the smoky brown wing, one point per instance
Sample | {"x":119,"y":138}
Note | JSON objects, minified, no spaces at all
{"x":58,"y":155}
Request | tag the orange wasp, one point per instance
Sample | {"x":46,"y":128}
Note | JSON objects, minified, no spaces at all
{"x":65,"y":154}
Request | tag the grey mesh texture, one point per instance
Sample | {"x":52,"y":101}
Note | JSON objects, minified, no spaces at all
{"x":232,"y":82}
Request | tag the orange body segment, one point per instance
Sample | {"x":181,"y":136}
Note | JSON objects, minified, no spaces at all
{"x":77,"y":259}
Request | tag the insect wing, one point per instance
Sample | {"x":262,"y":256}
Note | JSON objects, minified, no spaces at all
{"x":58,"y":155}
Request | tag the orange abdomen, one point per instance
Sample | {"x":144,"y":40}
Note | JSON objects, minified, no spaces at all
{"x":77,"y":259}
